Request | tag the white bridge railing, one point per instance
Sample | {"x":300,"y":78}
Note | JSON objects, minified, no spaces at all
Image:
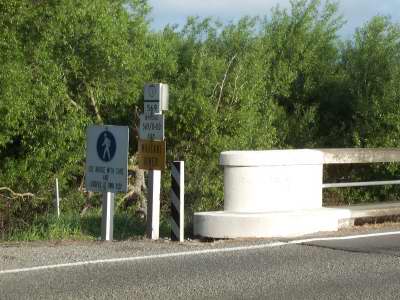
{"x":353,"y":156}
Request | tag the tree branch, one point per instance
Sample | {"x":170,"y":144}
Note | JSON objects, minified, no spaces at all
{"x":16,"y":195}
{"x":235,"y":96}
{"x":76,"y":105}
{"x":215,"y":88}
{"x":223,"y":81}
{"x":94,"y":105}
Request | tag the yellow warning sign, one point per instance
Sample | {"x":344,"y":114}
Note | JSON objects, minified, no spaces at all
{"x":151,"y":155}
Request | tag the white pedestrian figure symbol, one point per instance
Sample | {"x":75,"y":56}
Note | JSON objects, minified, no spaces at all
{"x":106,"y":144}
{"x":152,"y":91}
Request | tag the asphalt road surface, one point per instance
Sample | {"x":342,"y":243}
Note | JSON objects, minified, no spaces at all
{"x":344,"y":265}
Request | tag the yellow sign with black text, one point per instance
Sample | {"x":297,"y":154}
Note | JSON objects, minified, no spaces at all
{"x":151,"y":155}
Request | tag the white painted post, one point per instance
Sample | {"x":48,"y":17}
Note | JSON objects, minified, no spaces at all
{"x":153,"y":206}
{"x":107,"y":219}
{"x":57,"y":199}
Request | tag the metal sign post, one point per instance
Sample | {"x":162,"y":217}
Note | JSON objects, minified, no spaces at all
{"x":151,"y":150}
{"x":107,"y":168}
{"x":107,"y":219}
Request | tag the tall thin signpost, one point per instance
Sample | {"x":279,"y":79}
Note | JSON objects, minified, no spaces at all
{"x":57,"y":198}
{"x":107,"y":168}
{"x":107,"y":216}
{"x":151,"y":149}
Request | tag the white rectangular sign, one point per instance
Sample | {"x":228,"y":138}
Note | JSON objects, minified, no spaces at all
{"x":152,"y":91}
{"x":107,"y":158}
{"x":152,"y":108}
{"x":157,"y":93}
{"x":151,"y":127}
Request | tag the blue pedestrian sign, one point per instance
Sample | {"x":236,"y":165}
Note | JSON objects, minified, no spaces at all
{"x":106,"y":146}
{"x":107,"y":159}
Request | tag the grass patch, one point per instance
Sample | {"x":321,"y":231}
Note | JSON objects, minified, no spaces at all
{"x":50,"y":227}
{"x":72,"y":226}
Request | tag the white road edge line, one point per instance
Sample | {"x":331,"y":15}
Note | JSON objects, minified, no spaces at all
{"x":196,"y":252}
{"x":136,"y":258}
{"x":349,"y":237}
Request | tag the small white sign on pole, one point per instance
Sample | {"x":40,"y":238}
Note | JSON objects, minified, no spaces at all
{"x":107,"y":168}
{"x":151,"y":127}
{"x":152,"y":91}
{"x":152,"y":108}
{"x":156,"y":98}
{"x":107,"y":159}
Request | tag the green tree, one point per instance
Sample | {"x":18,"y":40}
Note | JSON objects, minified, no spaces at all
{"x":372,"y":65}
{"x":300,"y":54}
{"x":66,"y":64}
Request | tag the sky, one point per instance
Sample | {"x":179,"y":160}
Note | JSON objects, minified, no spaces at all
{"x":356,"y":12}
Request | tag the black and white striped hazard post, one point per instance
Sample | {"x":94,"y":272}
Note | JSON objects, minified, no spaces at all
{"x":177,"y":201}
